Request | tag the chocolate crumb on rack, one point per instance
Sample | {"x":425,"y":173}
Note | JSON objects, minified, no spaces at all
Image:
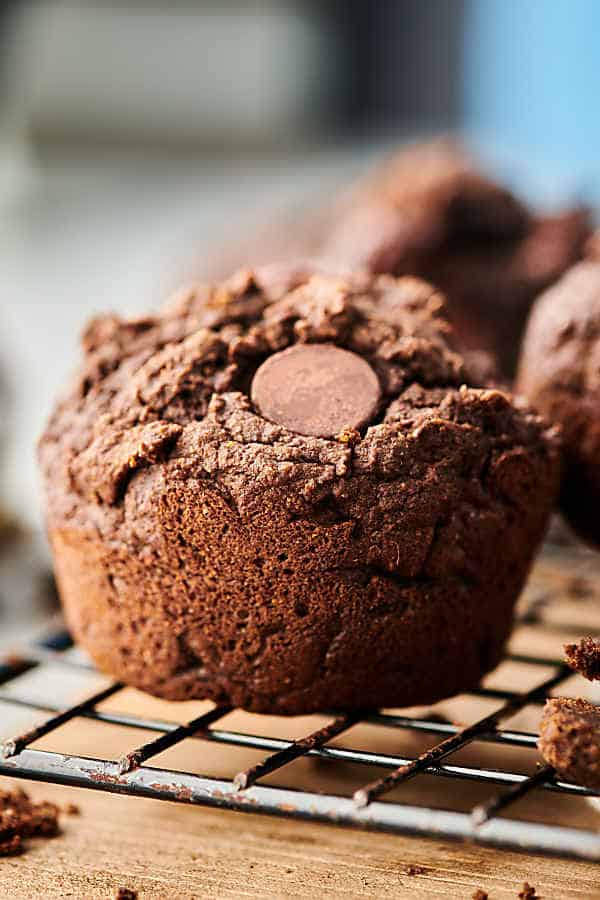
{"x":569,"y":742}
{"x":21,"y":818}
{"x":584,"y":657}
{"x":124,"y":893}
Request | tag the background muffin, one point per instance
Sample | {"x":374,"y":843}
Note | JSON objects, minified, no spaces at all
{"x":429,"y":211}
{"x":559,"y":373}
{"x":205,"y":549}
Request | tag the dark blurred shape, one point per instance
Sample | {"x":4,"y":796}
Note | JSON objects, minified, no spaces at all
{"x":402,"y":62}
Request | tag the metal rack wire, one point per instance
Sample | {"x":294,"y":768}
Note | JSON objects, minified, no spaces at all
{"x":244,"y":791}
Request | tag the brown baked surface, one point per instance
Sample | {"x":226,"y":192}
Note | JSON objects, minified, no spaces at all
{"x":559,"y":372}
{"x":204,"y":551}
{"x":430,"y":211}
{"x":570,"y":739}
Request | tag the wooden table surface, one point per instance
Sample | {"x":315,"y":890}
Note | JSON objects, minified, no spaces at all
{"x":164,"y":850}
{"x":168,"y":850}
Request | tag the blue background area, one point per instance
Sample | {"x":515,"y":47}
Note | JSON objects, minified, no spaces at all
{"x":531,"y":83}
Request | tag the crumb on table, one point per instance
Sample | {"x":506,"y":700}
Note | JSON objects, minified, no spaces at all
{"x":72,"y":809}
{"x":21,"y":818}
{"x":569,"y":739}
{"x":527,"y":892}
{"x":415,"y":870}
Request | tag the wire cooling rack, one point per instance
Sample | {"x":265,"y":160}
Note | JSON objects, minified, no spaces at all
{"x":557,"y":595}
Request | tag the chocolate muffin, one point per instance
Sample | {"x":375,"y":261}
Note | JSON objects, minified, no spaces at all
{"x":292,"y":500}
{"x":569,"y":734}
{"x":559,"y":374}
{"x":429,"y":211}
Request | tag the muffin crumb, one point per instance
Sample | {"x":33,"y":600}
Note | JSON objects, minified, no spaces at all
{"x":569,"y":739}
{"x":188,"y":481}
{"x":21,"y":818}
{"x":348,"y":436}
{"x":584,"y":657}
{"x":416,"y":870}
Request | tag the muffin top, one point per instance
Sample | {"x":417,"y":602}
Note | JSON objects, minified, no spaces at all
{"x":232,"y":385}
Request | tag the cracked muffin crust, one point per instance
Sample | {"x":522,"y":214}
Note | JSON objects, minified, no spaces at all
{"x":559,"y":374}
{"x":203,"y":551}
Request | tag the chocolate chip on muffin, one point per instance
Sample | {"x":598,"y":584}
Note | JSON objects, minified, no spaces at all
{"x":293,"y":500}
{"x":316,"y":389}
{"x":584,"y":658}
{"x":570,"y":739}
{"x":559,"y":373}
{"x":528,"y":892}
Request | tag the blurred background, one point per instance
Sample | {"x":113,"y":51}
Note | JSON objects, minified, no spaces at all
{"x":136,"y":137}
